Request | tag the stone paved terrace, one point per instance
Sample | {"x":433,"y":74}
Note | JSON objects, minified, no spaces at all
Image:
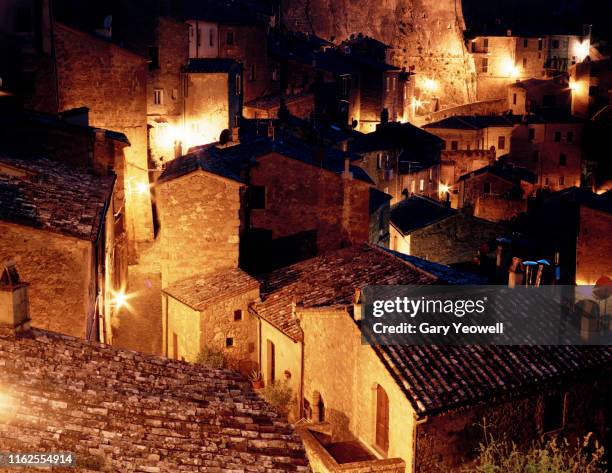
{"x":126,"y":412}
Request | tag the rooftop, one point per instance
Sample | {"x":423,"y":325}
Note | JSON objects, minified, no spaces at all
{"x":50,"y":196}
{"x":394,"y":135}
{"x":480,"y":122}
{"x":437,"y":378}
{"x":418,"y":212}
{"x":331,"y":280}
{"x":201,"y":290}
{"x":125,"y":411}
{"x":230,"y":162}
{"x":505,"y":171}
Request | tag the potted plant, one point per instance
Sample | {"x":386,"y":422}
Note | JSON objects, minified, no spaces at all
{"x":256,"y":379}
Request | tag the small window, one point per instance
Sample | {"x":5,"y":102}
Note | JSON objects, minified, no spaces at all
{"x":487,"y":188}
{"x":501,"y":142}
{"x":257,"y":197}
{"x":229,"y":342}
{"x":238,"y":85}
{"x":553,"y":416}
{"x":345,"y":86}
{"x":562,"y":159}
{"x":525,"y":43}
{"x":378,"y":161}
{"x":237,"y":315}
{"x":454,"y":145}
{"x":513,"y":99}
{"x":531,"y":134}
{"x":484,"y":65}
{"x":561,"y":181}
{"x":382,"y":419}
{"x":229,"y":38}
{"x":211,"y":37}
{"x":153,"y":57}
{"x":485,"y":44}
{"x":271,"y":362}
{"x":524,"y":63}
{"x":555,"y":44}
{"x":536,"y":156}
{"x":388,"y":81}
{"x":158,"y":96}
{"x":421,"y":185}
{"x":557,"y":137}
{"x":252,"y":73}
{"x":570,"y":136}
{"x":540,"y":44}
{"x":593,"y":91}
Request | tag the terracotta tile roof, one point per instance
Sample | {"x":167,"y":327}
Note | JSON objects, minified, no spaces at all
{"x":200,"y":290}
{"x":331,"y":280}
{"x":127,"y":411}
{"x":442,"y":378}
{"x":50,"y":196}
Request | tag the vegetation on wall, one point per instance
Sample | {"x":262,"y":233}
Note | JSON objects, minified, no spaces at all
{"x":211,"y":358}
{"x":279,"y":395}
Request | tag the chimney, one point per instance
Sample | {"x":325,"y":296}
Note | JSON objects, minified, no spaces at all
{"x":14,"y":306}
{"x":515,"y":273}
{"x":236,"y":134}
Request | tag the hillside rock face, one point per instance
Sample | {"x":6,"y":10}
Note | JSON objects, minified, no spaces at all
{"x":424,"y":34}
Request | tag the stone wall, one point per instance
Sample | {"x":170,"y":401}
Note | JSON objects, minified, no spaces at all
{"x":455,"y":239}
{"x":483,"y":107}
{"x":594,"y":246}
{"x":425,"y":34}
{"x":58,"y":269}
{"x":111,"y":82}
{"x":497,"y":209}
{"x":199,"y":217}
{"x":217,"y":324}
{"x":302,"y":197}
{"x":446,"y":442}
{"x":171,"y":37}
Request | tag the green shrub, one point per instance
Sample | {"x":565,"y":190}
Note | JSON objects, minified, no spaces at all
{"x":547,"y":455}
{"x":279,"y":395}
{"x":211,"y":358}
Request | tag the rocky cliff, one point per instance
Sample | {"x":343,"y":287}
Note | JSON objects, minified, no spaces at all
{"x":424,"y":34}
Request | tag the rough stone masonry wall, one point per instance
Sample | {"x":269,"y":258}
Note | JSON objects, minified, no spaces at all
{"x":446,"y":443}
{"x":200,"y":222}
{"x":302,"y":197}
{"x":594,"y":246}
{"x":58,"y":270}
{"x":427,"y":34}
{"x":111,"y":82}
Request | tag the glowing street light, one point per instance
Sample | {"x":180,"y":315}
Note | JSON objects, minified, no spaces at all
{"x":120,"y":299}
{"x":509,"y":68}
{"x":142,"y":187}
{"x":430,"y":85}
{"x":444,"y":188}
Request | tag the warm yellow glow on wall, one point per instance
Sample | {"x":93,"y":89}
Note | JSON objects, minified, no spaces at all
{"x":193,"y":133}
{"x":7,"y":405}
{"x":443,"y":188}
{"x":430,"y":85}
{"x":509,"y":68}
{"x":581,"y":50}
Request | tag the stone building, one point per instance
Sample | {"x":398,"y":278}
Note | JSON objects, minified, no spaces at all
{"x":475,"y":132}
{"x":213,"y":99}
{"x":496,"y":192}
{"x":211,"y":312}
{"x":501,"y":60}
{"x":433,"y":231}
{"x":537,"y":95}
{"x":123,"y":411}
{"x":590,"y":82}
{"x":550,"y":146}
{"x":454,"y":164}
{"x":593,"y":244}
{"x":392,"y":152}
{"x":58,"y":224}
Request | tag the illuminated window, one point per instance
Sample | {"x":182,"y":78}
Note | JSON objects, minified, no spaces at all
{"x":158,"y":96}
{"x":553,"y":416}
{"x":484,"y":65}
{"x":378,"y":161}
{"x":388,"y":80}
{"x":382,"y":419}
{"x":561,"y":180}
{"x":421,"y":185}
